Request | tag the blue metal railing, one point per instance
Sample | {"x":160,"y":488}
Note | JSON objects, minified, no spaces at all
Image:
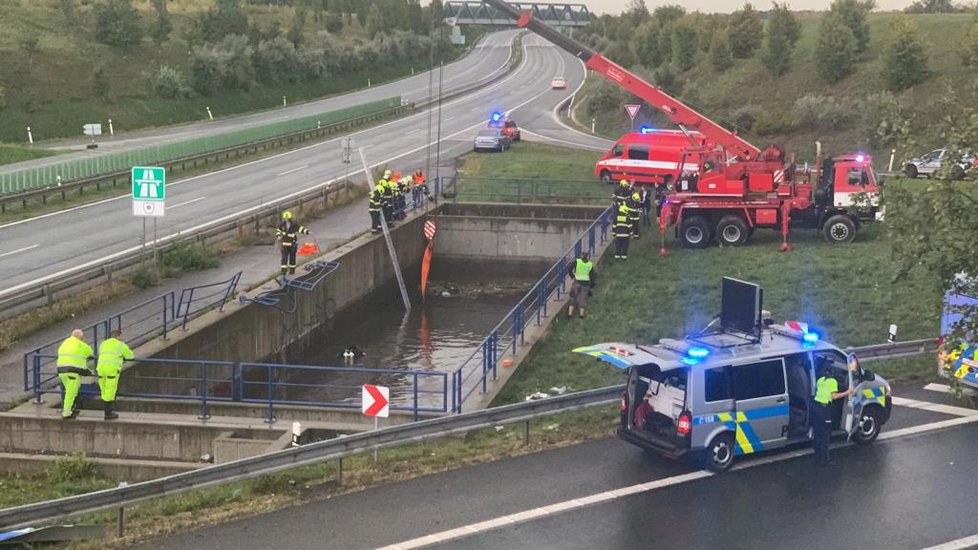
{"x":142,"y":322}
{"x":508,"y":335}
{"x":269,"y":384}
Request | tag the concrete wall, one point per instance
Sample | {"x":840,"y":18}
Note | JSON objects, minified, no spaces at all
{"x":121,"y":469}
{"x":493,"y":242}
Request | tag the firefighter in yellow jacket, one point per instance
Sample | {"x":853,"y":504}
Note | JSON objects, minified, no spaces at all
{"x":111,"y":354}
{"x":73,"y":357}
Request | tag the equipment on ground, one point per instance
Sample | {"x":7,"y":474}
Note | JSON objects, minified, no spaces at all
{"x":736,"y":187}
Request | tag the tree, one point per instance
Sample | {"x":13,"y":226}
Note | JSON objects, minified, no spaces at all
{"x":636,"y":12}
{"x":684,"y":46}
{"x":720,"y":56}
{"x":298,"y":23}
{"x":835,"y":49}
{"x":375,"y":21}
{"x":782,"y":32}
{"x":224,"y":19}
{"x":745,"y":32}
{"x":645,"y":45}
{"x":853,"y":14}
{"x":334,"y":23}
{"x":969,"y":51}
{"x":904,"y":55}
{"x":117,"y":24}
{"x":932,"y":6}
{"x":162,"y":27}
{"x":668,"y":13}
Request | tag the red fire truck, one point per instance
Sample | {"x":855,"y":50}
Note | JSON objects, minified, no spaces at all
{"x":648,"y":156}
{"x":737,"y":187}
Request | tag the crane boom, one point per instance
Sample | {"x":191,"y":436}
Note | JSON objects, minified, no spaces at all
{"x":677,"y":111}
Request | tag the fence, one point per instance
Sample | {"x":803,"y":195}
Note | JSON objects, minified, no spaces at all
{"x":140,"y":323}
{"x":508,"y":335}
{"x":520,"y":191}
{"x":52,"y":175}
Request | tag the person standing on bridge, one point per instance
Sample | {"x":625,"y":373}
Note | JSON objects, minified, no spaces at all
{"x":826,"y":391}
{"x":387,"y":202}
{"x":582,"y":271}
{"x":375,"y":208}
{"x":73,"y":357}
{"x":635,"y":213}
{"x":288,"y":238}
{"x":622,"y":192}
{"x":111,"y":353}
{"x":622,"y":230}
{"x":420,"y":188}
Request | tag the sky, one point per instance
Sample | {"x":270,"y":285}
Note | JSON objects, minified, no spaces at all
{"x":617,"y":6}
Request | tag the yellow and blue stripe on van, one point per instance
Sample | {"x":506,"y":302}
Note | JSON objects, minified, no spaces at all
{"x":739,"y":422}
{"x":874,"y":394}
{"x":607,"y":353}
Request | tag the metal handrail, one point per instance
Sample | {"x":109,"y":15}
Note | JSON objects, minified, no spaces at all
{"x":43,"y":512}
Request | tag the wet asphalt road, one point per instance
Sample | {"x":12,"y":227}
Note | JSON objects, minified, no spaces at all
{"x":908,"y":492}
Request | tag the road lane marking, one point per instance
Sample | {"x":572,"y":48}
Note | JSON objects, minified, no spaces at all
{"x":943,"y":388}
{"x":934,"y":407}
{"x":26,"y":248}
{"x":415,"y":131}
{"x":558,"y":140}
{"x":184,"y":203}
{"x":960,"y":544}
{"x":287,"y":172}
{"x":465,"y":97}
{"x":234,"y":215}
{"x":615,"y":494}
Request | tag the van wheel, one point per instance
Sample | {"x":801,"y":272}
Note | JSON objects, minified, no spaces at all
{"x":720,"y":453}
{"x":910,"y":170}
{"x":606,"y":176}
{"x":694,"y":232}
{"x":869,"y":426}
{"x":732,"y":231}
{"x":839,"y":229}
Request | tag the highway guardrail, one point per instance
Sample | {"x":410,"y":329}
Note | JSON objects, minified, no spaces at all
{"x":337,"y":448}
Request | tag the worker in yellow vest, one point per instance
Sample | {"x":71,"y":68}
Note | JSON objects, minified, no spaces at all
{"x":826,"y":391}
{"x":111,"y":354}
{"x":73,"y":357}
{"x":582,"y":271}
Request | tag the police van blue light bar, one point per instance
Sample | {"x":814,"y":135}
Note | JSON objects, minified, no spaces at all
{"x":697,"y":353}
{"x":646,"y":130}
{"x":810,"y":338}
{"x":497,"y":116}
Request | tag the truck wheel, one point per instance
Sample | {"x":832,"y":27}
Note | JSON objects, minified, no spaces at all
{"x":910,"y":170}
{"x":732,"y":231}
{"x":869,"y":426}
{"x":606,"y":176}
{"x":839,"y":229}
{"x":720,"y":453}
{"x":694,"y":232}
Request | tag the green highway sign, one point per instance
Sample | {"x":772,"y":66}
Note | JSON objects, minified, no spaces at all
{"x":148,"y":183}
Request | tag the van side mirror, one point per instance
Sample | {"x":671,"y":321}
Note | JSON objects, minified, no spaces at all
{"x":868,"y":376}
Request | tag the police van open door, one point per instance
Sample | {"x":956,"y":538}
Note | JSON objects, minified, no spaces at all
{"x":850,"y":424}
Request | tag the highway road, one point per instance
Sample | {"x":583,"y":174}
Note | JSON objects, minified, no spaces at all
{"x":488,"y":57}
{"x":50,"y":246}
{"x":912,"y":489}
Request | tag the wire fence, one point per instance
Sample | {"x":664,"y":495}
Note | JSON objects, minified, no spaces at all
{"x":99,"y":164}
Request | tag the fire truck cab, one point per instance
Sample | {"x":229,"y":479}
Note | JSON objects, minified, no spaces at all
{"x":648,"y":156}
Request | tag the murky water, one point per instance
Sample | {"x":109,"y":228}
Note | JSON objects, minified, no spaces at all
{"x":435,"y":337}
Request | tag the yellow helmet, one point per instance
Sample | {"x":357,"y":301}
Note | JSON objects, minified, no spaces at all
{"x":623,"y":182}
{"x":286,"y":215}
{"x":636,"y":196}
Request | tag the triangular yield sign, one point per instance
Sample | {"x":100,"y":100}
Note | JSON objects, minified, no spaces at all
{"x":632,"y":110}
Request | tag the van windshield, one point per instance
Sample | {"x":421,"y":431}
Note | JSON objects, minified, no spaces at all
{"x":618,"y":150}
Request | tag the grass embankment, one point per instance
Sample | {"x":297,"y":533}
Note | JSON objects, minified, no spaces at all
{"x":16,"y":153}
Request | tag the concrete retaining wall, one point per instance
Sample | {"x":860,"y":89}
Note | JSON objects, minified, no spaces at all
{"x":121,"y":469}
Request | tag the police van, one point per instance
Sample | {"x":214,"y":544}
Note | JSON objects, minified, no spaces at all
{"x":740,"y":386}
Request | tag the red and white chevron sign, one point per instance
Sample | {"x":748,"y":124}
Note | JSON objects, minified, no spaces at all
{"x":375,"y":401}
{"x":429,"y":229}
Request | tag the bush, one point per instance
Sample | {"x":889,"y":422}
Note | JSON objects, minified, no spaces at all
{"x":74,"y":467}
{"x":169,"y":83}
{"x":744,"y":118}
{"x":275,"y":60}
{"x":683,"y":46}
{"x":334,"y":23}
{"x":745,"y":31}
{"x":224,"y":66}
{"x":720,"y":56}
{"x":969,"y":51}
{"x":780,"y":36}
{"x":853,"y":14}
{"x":189,"y":257}
{"x":144,"y":277}
{"x":904,"y":56}
{"x":117,"y":24}
{"x":819,"y":113}
{"x":883,"y":120}
{"x":835,"y":49}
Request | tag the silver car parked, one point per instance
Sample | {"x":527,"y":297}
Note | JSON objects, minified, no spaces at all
{"x":929,"y":164}
{"x":491,"y":139}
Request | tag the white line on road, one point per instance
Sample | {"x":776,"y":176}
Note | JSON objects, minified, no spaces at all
{"x":293,"y":170}
{"x":184,"y":203}
{"x":558,"y":140}
{"x":19,"y":250}
{"x":934,"y":407}
{"x":415,"y":131}
{"x":960,"y":544}
{"x":608,"y":496}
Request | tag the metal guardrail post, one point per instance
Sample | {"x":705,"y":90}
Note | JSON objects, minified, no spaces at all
{"x":186,"y":313}
{"x":590,"y":240}
{"x":494,"y":357}
{"x":271,"y":406}
{"x":541,"y":298}
{"x":37,"y":379}
{"x":516,"y":325}
{"x":561,"y":274}
{"x":444,"y":392}
{"x":485,"y":363}
{"x":204,"y":412}
{"x":166,"y":320}
{"x":603,"y":219}
{"x":415,"y":397}
{"x":236,"y":383}
{"x":578,"y":246}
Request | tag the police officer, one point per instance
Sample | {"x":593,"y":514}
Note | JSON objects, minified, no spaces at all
{"x":111,"y":353}
{"x":582,"y":271}
{"x":826,"y":391}
{"x":288,"y":237}
{"x":622,"y":192}
{"x":73,"y":357}
{"x":635,"y":212}
{"x":376,"y":205}
{"x":622,"y":230}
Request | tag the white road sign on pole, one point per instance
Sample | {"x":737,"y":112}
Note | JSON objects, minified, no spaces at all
{"x":375,"y":400}
{"x":148,"y":191}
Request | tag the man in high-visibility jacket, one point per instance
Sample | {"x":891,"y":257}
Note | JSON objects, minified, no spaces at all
{"x":582,"y":271}
{"x":622,"y":192}
{"x":111,"y":353}
{"x":288,"y":238}
{"x":826,"y":391}
{"x":376,"y":205}
{"x":387,"y":201}
{"x":420,"y":188}
{"x":73,"y":357}
{"x":622,"y":230}
{"x":635,"y":212}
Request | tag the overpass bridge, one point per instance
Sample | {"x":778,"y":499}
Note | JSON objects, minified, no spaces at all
{"x":473,"y":12}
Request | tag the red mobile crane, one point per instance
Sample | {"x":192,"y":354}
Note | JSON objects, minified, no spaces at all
{"x":738,"y":187}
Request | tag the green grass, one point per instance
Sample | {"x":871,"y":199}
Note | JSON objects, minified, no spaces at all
{"x":16,"y":153}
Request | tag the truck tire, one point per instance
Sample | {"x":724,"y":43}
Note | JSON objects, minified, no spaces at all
{"x":720,"y":454}
{"x":869,"y":426}
{"x":910,"y":170}
{"x":606,"y":176}
{"x":732,"y":231}
{"x":839,"y":229}
{"x":694,"y":232}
